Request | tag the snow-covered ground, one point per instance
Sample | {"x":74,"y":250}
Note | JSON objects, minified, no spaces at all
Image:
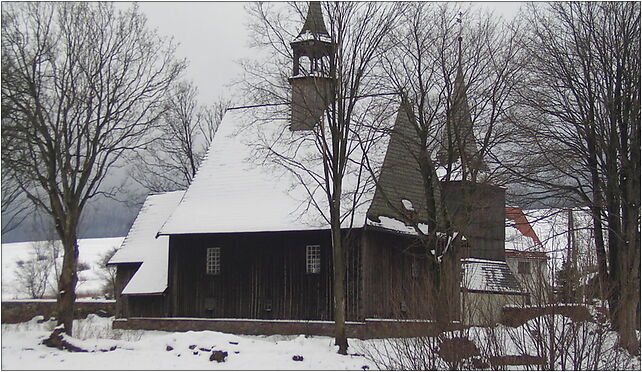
{"x":136,"y":350}
{"x":149,"y":350}
{"x":91,"y":251}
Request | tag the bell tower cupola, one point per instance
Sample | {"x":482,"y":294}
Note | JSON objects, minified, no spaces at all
{"x":312,"y":70}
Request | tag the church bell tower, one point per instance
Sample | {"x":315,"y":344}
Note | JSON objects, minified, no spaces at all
{"x":312,"y":71}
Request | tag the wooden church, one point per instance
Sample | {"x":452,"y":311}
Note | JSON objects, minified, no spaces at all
{"x":243,"y":241}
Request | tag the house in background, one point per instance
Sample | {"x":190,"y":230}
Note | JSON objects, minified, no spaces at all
{"x":526,"y":257}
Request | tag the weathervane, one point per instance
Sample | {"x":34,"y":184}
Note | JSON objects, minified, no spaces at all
{"x":459,"y":39}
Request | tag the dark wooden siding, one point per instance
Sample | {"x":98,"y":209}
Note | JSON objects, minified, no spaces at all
{"x":263,"y":276}
{"x":390,"y":290}
{"x":129,"y":306}
{"x":124,"y":273}
{"x":147,"y":305}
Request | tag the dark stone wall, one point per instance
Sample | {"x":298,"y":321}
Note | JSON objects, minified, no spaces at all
{"x":22,"y":311}
{"x":361,"y":330}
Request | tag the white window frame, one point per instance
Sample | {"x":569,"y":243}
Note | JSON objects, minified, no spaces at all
{"x":213,"y":261}
{"x":313,"y":259}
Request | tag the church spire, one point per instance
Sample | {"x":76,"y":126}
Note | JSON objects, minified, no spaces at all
{"x":314,"y":24}
{"x":458,"y":139}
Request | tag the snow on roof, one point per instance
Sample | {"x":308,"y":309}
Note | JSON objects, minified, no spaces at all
{"x":488,"y":276}
{"x":142,"y":246}
{"x":393,"y":224}
{"x":246,"y":185}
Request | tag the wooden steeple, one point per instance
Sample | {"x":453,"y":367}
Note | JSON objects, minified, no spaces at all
{"x":458,"y":139}
{"x":312,"y":71}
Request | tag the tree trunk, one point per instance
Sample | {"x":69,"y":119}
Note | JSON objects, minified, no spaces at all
{"x":339,"y":277}
{"x":67,"y":283}
{"x":66,"y":296}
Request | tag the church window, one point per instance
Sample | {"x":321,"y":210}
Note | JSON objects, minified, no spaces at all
{"x":213,"y":261}
{"x":313,"y":259}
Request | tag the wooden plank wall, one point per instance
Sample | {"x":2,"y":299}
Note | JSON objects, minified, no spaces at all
{"x":124,"y":273}
{"x":263,"y":276}
{"x":388,"y":281}
{"x":390,"y":291}
{"x":147,"y":305}
{"x":479,"y":211}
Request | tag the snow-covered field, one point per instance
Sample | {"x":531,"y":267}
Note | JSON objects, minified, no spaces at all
{"x":89,"y":284}
{"x":136,"y":350}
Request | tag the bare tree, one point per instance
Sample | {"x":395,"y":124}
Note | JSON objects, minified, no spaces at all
{"x":85,"y":84}
{"x":15,"y":206}
{"x":32,"y":275}
{"x":354,"y":35}
{"x":581,"y":132}
{"x":108,"y":274}
{"x":186,"y":129}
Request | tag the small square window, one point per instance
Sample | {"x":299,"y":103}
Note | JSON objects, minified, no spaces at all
{"x":213,"y":261}
{"x":523,"y":267}
{"x":313,"y":259}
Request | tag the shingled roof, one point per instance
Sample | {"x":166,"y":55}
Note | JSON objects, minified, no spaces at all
{"x":314,"y":24}
{"x":458,"y":138}
{"x":401,"y":183}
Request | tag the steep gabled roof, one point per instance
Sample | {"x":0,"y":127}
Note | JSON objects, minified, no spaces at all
{"x":520,"y":222}
{"x":244,"y":185}
{"x":142,"y":246}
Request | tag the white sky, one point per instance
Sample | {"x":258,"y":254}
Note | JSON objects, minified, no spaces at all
{"x":213,"y":36}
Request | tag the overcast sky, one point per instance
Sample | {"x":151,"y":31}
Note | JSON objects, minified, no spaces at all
{"x":213,"y":36}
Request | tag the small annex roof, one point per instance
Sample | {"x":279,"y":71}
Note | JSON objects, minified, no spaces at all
{"x":489,"y":276}
{"x":142,"y":246}
{"x":260,"y":176}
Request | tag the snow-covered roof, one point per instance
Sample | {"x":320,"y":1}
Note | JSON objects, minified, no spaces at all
{"x":142,"y":246}
{"x":258,"y":176}
{"x":489,"y":276}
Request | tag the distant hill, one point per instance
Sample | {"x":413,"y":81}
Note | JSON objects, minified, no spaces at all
{"x":102,"y":218}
